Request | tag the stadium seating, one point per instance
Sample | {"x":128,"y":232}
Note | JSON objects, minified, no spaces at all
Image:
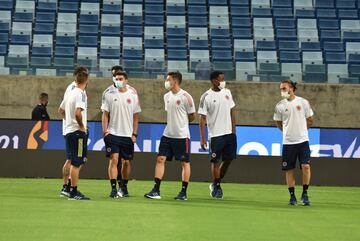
{"x":274,"y":39}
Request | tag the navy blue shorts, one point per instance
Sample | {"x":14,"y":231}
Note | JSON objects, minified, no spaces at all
{"x":76,"y":143}
{"x":294,"y":152}
{"x":119,"y":144}
{"x":223,"y":148}
{"x":175,"y":148}
{"x":67,"y":149}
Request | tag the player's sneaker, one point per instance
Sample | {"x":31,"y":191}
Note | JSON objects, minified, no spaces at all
{"x":305,"y":199}
{"x":181,"y":196}
{"x":292,"y":201}
{"x":153,"y":194}
{"x":217,"y":193}
{"x":123,"y":192}
{"x":113,"y":194}
{"x":78,"y":196}
{"x":65,"y":192}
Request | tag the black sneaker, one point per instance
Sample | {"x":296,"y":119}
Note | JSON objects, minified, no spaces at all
{"x":292,"y":201}
{"x":113,"y":194}
{"x":305,"y":199}
{"x":153,"y":194}
{"x":78,"y":196}
{"x":181,"y":196}
{"x":65,"y":192}
{"x":217,"y":193}
{"x":123,"y":192}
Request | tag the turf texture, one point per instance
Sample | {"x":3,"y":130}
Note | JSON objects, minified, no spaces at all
{"x":31,"y":209}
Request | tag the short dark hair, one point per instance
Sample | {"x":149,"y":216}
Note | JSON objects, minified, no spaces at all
{"x":215,"y":74}
{"x":82,"y":74}
{"x":117,"y":68}
{"x":176,"y":75}
{"x":123,"y":73}
{"x":43,"y":96}
{"x":79,"y":69}
{"x":290,"y":82}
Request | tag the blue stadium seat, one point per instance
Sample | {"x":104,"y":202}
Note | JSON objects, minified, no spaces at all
{"x":40,"y":62}
{"x":68,"y":7}
{"x":64,"y":63}
{"x":7,"y":5}
{"x":286,"y":34}
{"x":198,"y":44}
{"x":345,"y":4}
{"x":282,"y":3}
{"x":305,"y":13}
{"x":154,"y":20}
{"x":315,"y":73}
{"x":197,"y":10}
{"x":326,"y":13}
{"x":154,"y":9}
{"x":175,"y":10}
{"x":110,"y":53}
{"x":349,"y":80}
{"x":239,"y":11}
{"x":88,"y":41}
{"x":198,"y":21}
{"x":111,"y":8}
{"x":290,"y":57}
{"x":283,"y":13}
{"x":218,"y":2}
{"x":41,"y":51}
{"x":45,"y":17}
{"x":324,"y":4}
{"x":354,"y":59}
{"x":333,"y":46}
{"x":176,"y":43}
{"x":65,"y":40}
{"x":85,"y":29}
{"x":110,"y":30}
{"x":132,"y":65}
{"x":354,"y":70}
{"x":89,"y":19}
{"x":221,"y":44}
{"x":330,"y":35}
{"x":261,"y":12}
{"x":242,"y":33}
{"x":265,"y":45}
{"x":23,"y":17}
{"x":196,"y":2}
{"x":177,"y":54}
{"x":4,"y":38}
{"x":3,"y":49}
{"x":62,"y":51}
{"x":20,"y":39}
{"x":132,"y":20}
{"x":241,"y":22}
{"x":310,"y":46}
{"x":348,"y":14}
{"x":335,"y":58}
{"x":4,"y":27}
{"x":284,"y":23}
{"x":176,"y":32}
{"x":219,"y":33}
{"x":132,"y":54}
{"x":132,"y":31}
{"x":46,"y":7}
{"x":44,"y":28}
{"x":328,"y":24}
{"x":153,"y":43}
{"x":288,"y":45}
{"x":244,"y":56}
{"x":351,"y":36}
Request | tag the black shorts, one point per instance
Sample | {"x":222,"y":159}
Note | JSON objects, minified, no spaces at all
{"x":119,"y":144}
{"x":76,"y":144}
{"x":174,"y":147}
{"x":294,"y":152}
{"x":223,"y":148}
{"x":67,"y":149}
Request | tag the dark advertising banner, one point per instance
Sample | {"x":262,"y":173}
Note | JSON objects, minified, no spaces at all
{"x":252,"y":140}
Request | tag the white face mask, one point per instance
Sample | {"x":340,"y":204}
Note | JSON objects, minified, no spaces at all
{"x":118,"y":84}
{"x":222,"y":85}
{"x":285,"y":94}
{"x":167,"y":85}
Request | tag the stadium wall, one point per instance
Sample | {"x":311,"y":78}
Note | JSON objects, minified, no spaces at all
{"x":245,"y":169}
{"x":334,"y":105}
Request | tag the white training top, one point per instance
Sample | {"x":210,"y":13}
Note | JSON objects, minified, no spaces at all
{"x":112,"y":87}
{"x":122,"y":106}
{"x":216,"y":106}
{"x":62,"y":106}
{"x":293,"y":115}
{"x":76,"y":98}
{"x":178,"y":106}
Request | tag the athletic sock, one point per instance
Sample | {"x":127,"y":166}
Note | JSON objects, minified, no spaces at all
{"x":305,"y":188}
{"x":124,"y":183}
{"x":119,"y":181}
{"x":113,"y":184}
{"x":184,"y":187}
{"x":157,"y":184}
{"x":216,"y":182}
{"x":68,"y":184}
{"x":292,"y":191}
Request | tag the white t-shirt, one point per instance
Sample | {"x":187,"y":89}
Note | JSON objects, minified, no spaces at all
{"x":216,"y":106}
{"x":178,"y":106}
{"x":112,"y":87}
{"x":122,"y":106}
{"x":76,"y":98}
{"x":62,"y":106}
{"x":293,"y":115}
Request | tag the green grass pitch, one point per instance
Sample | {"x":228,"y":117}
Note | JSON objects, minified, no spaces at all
{"x":31,"y":209}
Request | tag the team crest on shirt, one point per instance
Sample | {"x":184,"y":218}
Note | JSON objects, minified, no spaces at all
{"x":227,"y":97}
{"x":298,"y":107}
{"x":128,"y":101}
{"x":178,"y":102}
